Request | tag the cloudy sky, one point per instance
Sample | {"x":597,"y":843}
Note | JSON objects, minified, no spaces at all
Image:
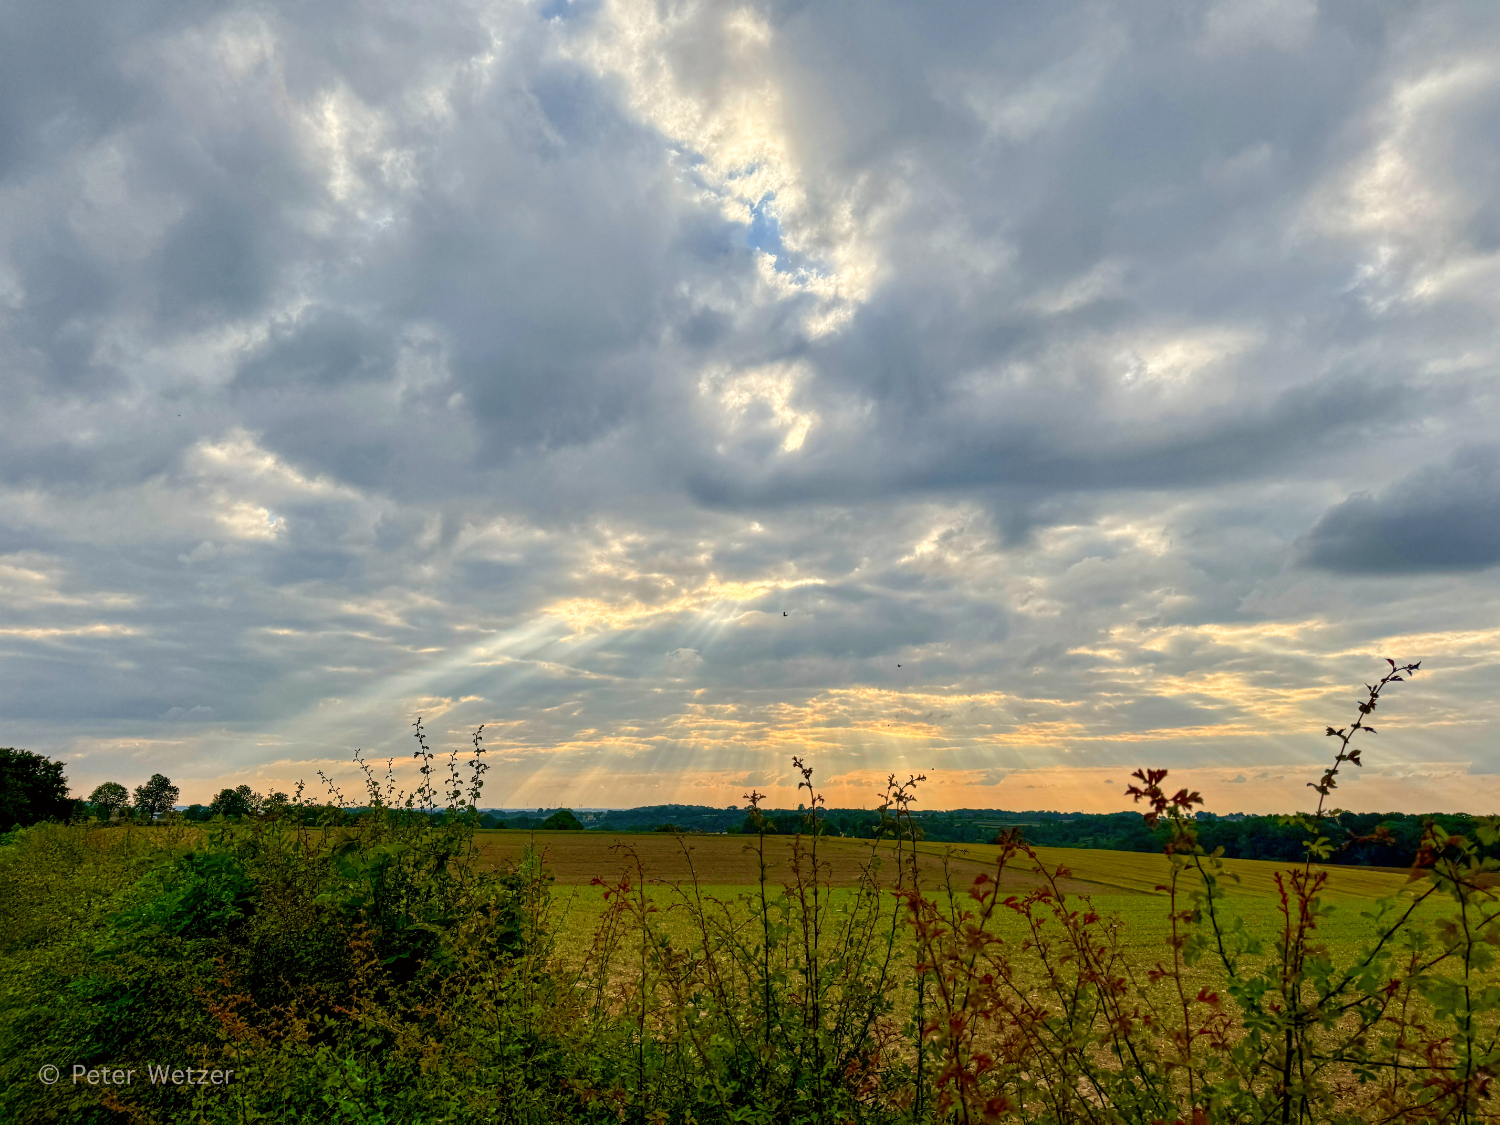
{"x":1014,"y":393}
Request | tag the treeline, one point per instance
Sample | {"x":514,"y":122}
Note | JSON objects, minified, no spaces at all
{"x":562,"y":820}
{"x":1367,"y":839}
{"x":34,"y":788}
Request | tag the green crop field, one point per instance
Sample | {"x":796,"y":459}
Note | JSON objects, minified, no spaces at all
{"x":1124,"y":885}
{"x":580,"y":857}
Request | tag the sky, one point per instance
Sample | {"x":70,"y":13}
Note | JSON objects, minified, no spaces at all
{"x":1013,"y":394}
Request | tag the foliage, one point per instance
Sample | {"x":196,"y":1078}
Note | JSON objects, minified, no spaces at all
{"x":156,"y":797}
{"x":240,"y":801}
{"x":109,"y":800}
{"x":370,"y":968}
{"x":32,"y":788}
{"x":563,"y":820}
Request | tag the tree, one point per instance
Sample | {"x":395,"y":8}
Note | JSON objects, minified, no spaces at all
{"x":562,"y":820}
{"x":32,"y":788}
{"x":156,"y":797}
{"x":235,"y":802}
{"x":109,"y":799}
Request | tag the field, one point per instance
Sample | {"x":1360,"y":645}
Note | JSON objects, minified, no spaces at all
{"x":579,"y":857}
{"x":1118,"y":884}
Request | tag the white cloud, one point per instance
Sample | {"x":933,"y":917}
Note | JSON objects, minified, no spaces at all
{"x":706,"y":75}
{"x":773,"y":386}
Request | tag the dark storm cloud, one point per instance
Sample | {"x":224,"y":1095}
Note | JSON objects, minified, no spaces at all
{"x":1438,"y":518}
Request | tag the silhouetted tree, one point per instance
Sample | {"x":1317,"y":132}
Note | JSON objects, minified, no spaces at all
{"x":235,"y":802}
{"x":109,"y":799}
{"x":156,"y":797}
{"x":32,"y":788}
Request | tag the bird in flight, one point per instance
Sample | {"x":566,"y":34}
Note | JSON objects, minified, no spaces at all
{"x":783,"y":613}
